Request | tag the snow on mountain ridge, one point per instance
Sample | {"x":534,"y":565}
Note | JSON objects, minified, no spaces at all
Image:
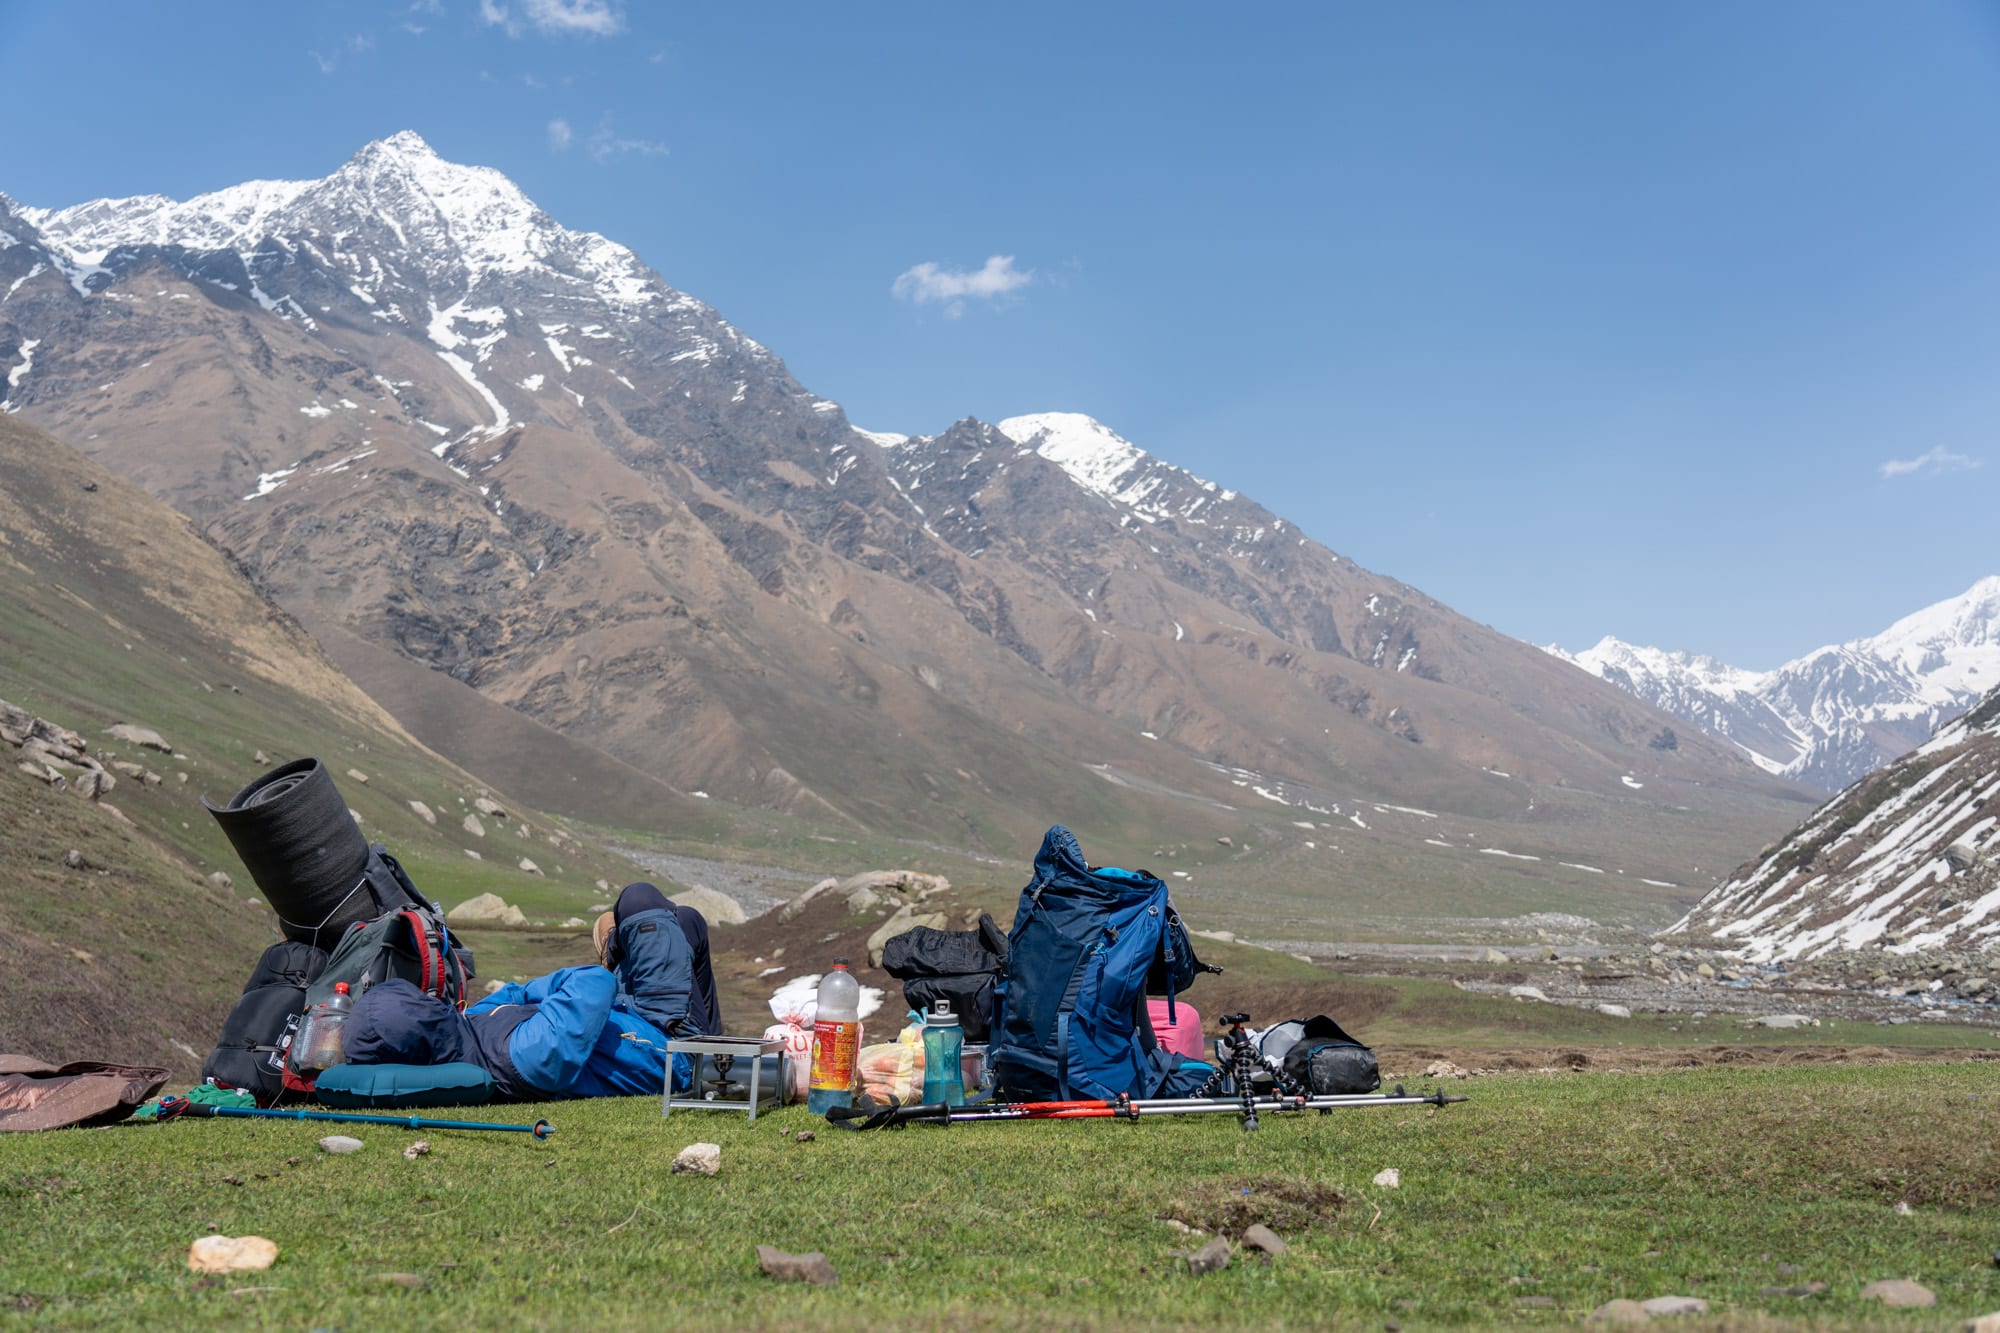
{"x":1104,"y":463}
{"x":1837,"y":712}
{"x":446,"y":214}
{"x":1894,"y":861}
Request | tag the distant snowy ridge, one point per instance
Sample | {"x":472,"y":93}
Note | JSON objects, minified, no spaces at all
{"x":1908,"y":859}
{"x":1836,"y":714}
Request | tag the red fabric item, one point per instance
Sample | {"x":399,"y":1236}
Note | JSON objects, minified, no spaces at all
{"x":1182,"y":1037}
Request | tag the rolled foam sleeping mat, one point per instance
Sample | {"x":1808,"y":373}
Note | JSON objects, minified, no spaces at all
{"x":301,"y":846}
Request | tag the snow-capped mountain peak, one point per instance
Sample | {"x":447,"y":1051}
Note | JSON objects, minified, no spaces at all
{"x":1104,"y":463}
{"x":1091,"y":452}
{"x":460,"y":223}
{"x":1839,"y":712}
{"x":1947,"y":643}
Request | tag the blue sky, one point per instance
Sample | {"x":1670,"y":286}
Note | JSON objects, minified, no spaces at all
{"x":1676,"y":322}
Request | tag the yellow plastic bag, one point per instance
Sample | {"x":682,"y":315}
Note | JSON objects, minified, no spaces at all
{"x":894,"y":1069}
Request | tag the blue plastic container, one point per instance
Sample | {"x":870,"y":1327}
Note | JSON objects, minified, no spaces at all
{"x":944,"y":1045}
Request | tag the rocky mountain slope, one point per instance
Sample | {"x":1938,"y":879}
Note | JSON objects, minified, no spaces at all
{"x":466,"y":445}
{"x":1907,"y":860}
{"x":1835,"y":715}
{"x":139,"y":671}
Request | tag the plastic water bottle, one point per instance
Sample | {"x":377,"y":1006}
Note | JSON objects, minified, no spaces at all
{"x":944,"y":1044}
{"x":321,"y":1042}
{"x":836,"y":1040}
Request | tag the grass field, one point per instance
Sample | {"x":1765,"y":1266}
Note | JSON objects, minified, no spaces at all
{"x":1530,"y":1205}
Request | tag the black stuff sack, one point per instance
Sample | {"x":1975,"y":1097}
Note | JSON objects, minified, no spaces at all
{"x":958,"y":966}
{"x":1326,"y":1060}
{"x":250,"y":1053}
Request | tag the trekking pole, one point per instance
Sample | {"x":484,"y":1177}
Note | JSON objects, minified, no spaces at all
{"x":894,"y":1116}
{"x":173,"y":1107}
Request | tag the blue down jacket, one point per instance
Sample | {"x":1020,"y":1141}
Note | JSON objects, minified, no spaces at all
{"x":558,"y":1036}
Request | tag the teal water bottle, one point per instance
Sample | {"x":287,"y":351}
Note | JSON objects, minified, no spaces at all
{"x":944,"y":1043}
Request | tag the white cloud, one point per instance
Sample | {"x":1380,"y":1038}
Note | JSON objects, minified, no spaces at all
{"x":560,"y":135}
{"x":359,"y":44}
{"x":595,"y":18}
{"x":929,"y":283}
{"x":605,"y":143}
{"x":1932,"y":462}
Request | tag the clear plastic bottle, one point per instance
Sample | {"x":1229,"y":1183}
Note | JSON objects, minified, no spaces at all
{"x":836,"y":1040}
{"x":944,"y":1046}
{"x":321,"y":1042}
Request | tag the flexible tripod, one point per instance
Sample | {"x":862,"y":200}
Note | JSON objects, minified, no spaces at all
{"x":1240,"y":1064}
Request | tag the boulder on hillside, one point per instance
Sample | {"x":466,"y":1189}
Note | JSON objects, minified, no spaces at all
{"x":489,"y":807}
{"x":716,"y":908}
{"x":43,"y":773}
{"x":472,"y":825}
{"x":902,"y":887}
{"x":530,"y":866}
{"x":141,"y":736}
{"x":423,"y":812}
{"x":906,"y":919}
{"x":16,"y":724}
{"x":487,"y":909}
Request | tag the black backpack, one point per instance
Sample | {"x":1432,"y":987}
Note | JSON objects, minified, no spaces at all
{"x":250,"y":1053}
{"x":408,"y":939}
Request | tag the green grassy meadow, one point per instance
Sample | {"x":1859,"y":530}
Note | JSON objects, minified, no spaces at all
{"x":1530,"y":1205}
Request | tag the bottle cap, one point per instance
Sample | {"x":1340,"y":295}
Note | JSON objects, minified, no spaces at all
{"x":340,"y":988}
{"x":840,"y":964}
{"x":942,"y":1016}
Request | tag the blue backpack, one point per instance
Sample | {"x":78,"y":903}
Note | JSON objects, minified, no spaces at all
{"x":1086,"y":949}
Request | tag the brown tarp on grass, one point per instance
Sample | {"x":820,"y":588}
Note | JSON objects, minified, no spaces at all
{"x":37,"y":1095}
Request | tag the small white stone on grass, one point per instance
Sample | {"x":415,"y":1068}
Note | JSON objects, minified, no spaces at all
{"x":417,"y":1149}
{"x":1389,"y":1179}
{"x":1210,"y":1258}
{"x":231,"y":1254}
{"x":1903,"y":1208}
{"x":1661,"y":1306}
{"x":1614,"y":1011}
{"x":698,"y":1159}
{"x":811,"y":1267}
{"x":1261,"y":1237}
{"x":1899,"y":1292}
{"x":1986,"y":1323}
{"x":339,"y":1143}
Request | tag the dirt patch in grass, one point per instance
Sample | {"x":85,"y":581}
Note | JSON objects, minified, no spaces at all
{"x":1284,"y":1204}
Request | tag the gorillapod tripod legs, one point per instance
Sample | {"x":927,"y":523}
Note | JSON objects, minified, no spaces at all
{"x":1241,"y":1064}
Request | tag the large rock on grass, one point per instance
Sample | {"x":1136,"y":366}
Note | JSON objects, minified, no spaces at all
{"x":487,"y":909}
{"x":145,"y":737}
{"x":905,"y":919}
{"x":715,"y":908}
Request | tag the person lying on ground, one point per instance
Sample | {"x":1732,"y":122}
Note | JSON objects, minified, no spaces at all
{"x":674,"y":979}
{"x":577,"y":1032}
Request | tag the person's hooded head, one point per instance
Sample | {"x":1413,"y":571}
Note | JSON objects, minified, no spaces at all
{"x":394,"y":1023}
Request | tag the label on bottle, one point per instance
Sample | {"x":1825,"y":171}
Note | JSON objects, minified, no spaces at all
{"x":835,"y":1046}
